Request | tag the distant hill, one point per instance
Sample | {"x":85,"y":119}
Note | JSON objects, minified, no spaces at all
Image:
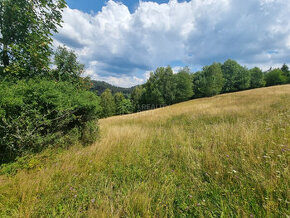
{"x":101,"y":86}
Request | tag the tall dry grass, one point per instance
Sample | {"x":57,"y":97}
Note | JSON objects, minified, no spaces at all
{"x":223,"y":156}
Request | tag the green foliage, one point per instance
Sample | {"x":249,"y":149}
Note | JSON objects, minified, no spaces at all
{"x":286,"y":72}
{"x":257,"y":78}
{"x":108,"y":103}
{"x":210,"y":81}
{"x":136,"y":97}
{"x":101,"y":86}
{"x":161,"y":87}
{"x":119,"y":97}
{"x":275,"y":77}
{"x":184,"y":85}
{"x":125,"y":107}
{"x":236,"y":77}
{"x":285,"y":68}
{"x":26,"y":29}
{"x":37,"y":113}
{"x":67,"y":66}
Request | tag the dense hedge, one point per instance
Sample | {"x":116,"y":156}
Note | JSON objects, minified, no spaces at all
{"x":39,"y":113}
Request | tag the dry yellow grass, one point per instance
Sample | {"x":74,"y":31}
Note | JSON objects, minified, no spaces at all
{"x":222,"y":156}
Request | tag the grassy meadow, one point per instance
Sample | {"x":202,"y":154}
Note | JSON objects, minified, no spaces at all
{"x":224,"y":156}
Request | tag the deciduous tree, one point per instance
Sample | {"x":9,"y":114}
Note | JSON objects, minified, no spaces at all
{"x":107,"y":103}
{"x":210,"y":81}
{"x":26,"y":29}
{"x":275,"y":77}
{"x":257,"y":78}
{"x":184,"y":85}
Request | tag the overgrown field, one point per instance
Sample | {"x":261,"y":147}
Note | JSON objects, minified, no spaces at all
{"x":222,"y":156}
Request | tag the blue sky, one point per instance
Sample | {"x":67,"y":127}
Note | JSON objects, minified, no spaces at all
{"x":93,"y":6}
{"x":120,"y":42}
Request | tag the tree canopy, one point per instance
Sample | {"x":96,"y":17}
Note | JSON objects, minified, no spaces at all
{"x":108,"y":103}
{"x":210,"y":81}
{"x":236,"y":77}
{"x":257,"y":78}
{"x":160,"y":88}
{"x":275,"y":77}
{"x":184,"y":85}
{"x":67,"y":66}
{"x":26,"y":29}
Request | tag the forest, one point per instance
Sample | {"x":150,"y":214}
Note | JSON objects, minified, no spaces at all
{"x":164,"y":87}
{"x":45,"y":101}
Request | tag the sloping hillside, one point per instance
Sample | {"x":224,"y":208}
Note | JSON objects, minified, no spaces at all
{"x":222,"y":156}
{"x":101,"y":86}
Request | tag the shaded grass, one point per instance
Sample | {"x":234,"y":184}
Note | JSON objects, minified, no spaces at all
{"x":225,"y":156}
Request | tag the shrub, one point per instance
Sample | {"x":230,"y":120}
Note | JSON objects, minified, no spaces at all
{"x":39,"y":113}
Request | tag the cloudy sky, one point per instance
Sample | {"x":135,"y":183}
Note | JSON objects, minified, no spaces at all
{"x":120,"y":42}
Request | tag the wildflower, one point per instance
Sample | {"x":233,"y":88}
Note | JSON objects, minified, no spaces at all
{"x":93,"y":200}
{"x":75,"y":196}
{"x":234,"y":171}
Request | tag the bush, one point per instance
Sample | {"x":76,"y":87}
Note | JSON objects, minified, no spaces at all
{"x":39,"y":113}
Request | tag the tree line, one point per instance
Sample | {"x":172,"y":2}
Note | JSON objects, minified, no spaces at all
{"x":165,"y":88}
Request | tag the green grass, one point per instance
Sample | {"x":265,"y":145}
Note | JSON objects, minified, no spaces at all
{"x":225,"y":156}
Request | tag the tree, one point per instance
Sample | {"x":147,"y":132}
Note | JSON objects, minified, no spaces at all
{"x":236,"y":77}
{"x":286,"y":72}
{"x":125,"y":106}
{"x":119,"y":97}
{"x":184,"y":85}
{"x":136,"y":98}
{"x":285,"y":68}
{"x":67,"y":66}
{"x":26,"y":29}
{"x":257,"y":78}
{"x":152,"y":94}
{"x":210,"y":81}
{"x":275,"y":77}
{"x":160,"y":88}
{"x":107,"y":103}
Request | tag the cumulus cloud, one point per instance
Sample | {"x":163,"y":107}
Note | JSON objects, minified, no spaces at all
{"x":120,"y":47}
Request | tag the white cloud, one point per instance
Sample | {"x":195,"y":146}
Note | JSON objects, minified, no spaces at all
{"x":121,"y":47}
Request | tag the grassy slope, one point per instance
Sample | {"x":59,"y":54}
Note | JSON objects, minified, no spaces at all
{"x":222,"y":156}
